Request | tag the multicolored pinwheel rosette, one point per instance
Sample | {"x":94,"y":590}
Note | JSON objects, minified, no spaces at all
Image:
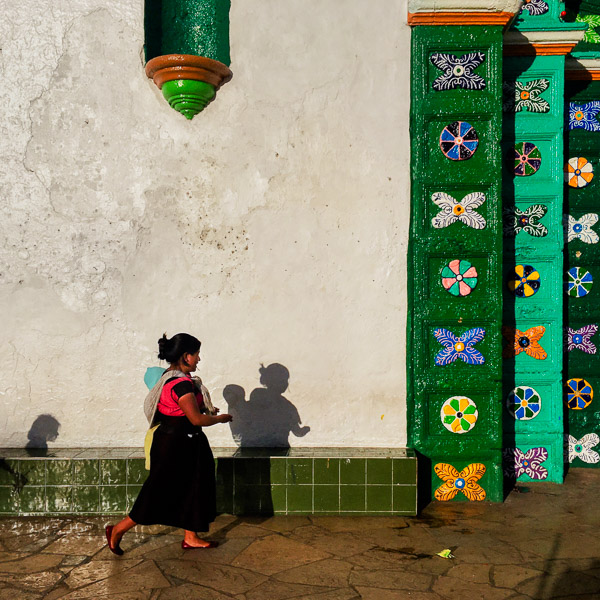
{"x":527,"y":159}
{"x":579,"y":394}
{"x":459,"y":140}
{"x":524,"y":282}
{"x":524,"y":403}
{"x":579,"y":282}
{"x":579,"y":172}
{"x":582,"y":449}
{"x":459,"y":277}
{"x":459,"y":414}
{"x":464,"y":481}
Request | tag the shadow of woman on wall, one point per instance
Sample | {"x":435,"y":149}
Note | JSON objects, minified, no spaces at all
{"x":267,"y":418}
{"x":43,"y":430}
{"x":261,"y":428}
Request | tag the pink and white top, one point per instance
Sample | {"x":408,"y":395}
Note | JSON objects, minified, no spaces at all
{"x":173,"y":391}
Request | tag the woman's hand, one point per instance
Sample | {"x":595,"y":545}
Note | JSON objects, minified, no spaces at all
{"x":189,"y":406}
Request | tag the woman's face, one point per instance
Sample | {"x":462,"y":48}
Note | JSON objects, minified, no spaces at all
{"x":192,"y":360}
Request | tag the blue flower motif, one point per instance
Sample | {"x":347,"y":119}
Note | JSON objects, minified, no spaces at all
{"x":459,"y":347}
{"x":579,"y":282}
{"x":584,"y":116}
{"x":524,"y":403}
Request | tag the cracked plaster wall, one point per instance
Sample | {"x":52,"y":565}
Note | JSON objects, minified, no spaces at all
{"x":274,"y":226}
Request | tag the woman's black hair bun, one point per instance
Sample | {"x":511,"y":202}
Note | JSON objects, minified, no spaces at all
{"x":173,"y":349}
{"x":163,"y":344}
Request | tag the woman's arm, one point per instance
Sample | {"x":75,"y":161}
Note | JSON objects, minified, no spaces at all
{"x":189,"y":406}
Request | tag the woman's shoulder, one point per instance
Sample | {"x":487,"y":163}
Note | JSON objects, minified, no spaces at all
{"x":177,"y":377}
{"x":180,"y":386}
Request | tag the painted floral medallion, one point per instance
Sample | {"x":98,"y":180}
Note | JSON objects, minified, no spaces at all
{"x":459,"y":277}
{"x":579,"y":282}
{"x":459,"y":140}
{"x":459,"y":414}
{"x":527,"y":159}
{"x":579,"y":394}
{"x":524,"y":403}
{"x":524,"y":281}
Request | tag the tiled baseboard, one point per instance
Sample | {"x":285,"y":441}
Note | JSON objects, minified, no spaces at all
{"x":298,"y":481}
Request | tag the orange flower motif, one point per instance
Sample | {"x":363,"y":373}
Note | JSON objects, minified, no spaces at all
{"x":465,"y":482}
{"x":524,"y":341}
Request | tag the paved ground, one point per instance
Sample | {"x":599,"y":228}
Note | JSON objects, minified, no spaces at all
{"x":541,"y":543}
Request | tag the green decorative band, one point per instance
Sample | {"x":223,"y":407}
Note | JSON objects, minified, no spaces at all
{"x":187,"y":96}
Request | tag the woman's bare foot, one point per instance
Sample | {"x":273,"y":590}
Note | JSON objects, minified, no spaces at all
{"x":116,"y":532}
{"x":115,"y":540}
{"x":113,"y":547}
{"x":191,"y":540}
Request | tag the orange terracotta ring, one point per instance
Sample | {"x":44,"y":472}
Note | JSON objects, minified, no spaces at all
{"x":187,"y":66}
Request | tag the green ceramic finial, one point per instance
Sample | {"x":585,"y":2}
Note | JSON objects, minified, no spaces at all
{"x":187,"y":49}
{"x":187,"y":96}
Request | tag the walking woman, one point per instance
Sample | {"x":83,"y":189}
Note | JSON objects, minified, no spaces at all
{"x":180,"y":490}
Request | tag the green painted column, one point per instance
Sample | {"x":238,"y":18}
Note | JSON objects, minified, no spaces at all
{"x":532,"y":191}
{"x":582,"y":176}
{"x":187,"y":49}
{"x":455,"y":257}
{"x":533,"y":136}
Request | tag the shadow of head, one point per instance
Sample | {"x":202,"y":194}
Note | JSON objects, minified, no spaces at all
{"x":275,"y":377}
{"x":234,"y":394}
{"x":43,"y":430}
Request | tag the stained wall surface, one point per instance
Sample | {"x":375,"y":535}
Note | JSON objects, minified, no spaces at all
{"x":273,"y":226}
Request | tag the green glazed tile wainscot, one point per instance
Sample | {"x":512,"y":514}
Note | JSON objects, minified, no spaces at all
{"x":358,"y":481}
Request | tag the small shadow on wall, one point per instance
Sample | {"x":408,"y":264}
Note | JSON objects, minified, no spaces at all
{"x":43,"y":430}
{"x":267,"y":418}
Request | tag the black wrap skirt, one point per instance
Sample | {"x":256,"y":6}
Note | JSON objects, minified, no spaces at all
{"x":180,"y":490}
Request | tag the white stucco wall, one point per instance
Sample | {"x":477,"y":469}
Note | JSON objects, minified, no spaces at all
{"x":273,"y":226}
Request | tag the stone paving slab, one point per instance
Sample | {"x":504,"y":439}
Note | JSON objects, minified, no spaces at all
{"x":541,"y":543}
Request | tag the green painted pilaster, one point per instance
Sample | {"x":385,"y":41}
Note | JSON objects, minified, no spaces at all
{"x":455,"y":260}
{"x":533,"y":266}
{"x":583,"y":253}
{"x":582,"y":163}
{"x":533,"y":139}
